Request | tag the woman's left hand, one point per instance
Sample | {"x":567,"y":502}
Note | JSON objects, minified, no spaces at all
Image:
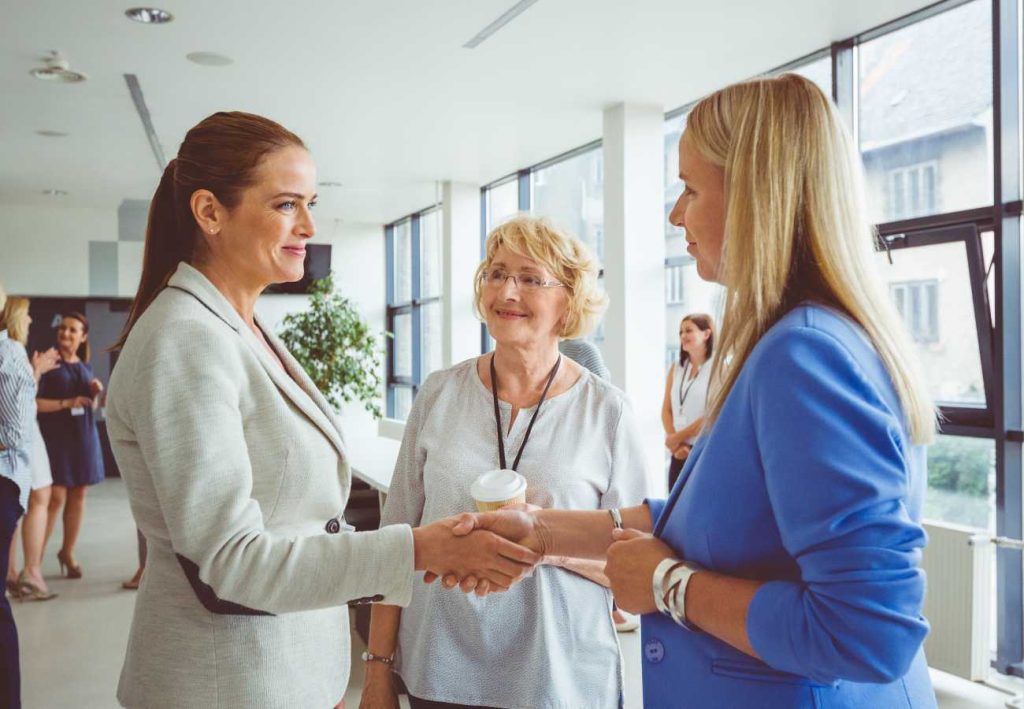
{"x":95,"y":387}
{"x":632,"y":559}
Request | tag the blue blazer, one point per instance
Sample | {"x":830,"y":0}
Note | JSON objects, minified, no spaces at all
{"x":807,"y":481}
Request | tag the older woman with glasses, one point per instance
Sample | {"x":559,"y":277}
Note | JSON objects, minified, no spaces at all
{"x":571,"y":435}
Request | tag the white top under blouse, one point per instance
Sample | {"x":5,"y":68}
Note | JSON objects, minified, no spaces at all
{"x":689,"y":394}
{"x":549,"y":641}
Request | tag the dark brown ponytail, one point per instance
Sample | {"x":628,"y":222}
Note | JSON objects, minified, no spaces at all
{"x":219,"y":154}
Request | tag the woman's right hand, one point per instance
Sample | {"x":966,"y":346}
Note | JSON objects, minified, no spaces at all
{"x":378,"y":688}
{"x":481,"y":553}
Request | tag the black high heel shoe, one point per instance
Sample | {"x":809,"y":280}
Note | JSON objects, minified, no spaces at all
{"x":66,"y":568}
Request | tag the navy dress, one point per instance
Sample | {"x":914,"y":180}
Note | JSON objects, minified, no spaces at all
{"x":72,"y":442}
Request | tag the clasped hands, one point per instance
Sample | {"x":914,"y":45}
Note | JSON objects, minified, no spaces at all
{"x":631,"y":557}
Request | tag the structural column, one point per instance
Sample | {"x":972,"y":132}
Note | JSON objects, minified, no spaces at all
{"x":634,"y":267}
{"x":460,"y":234}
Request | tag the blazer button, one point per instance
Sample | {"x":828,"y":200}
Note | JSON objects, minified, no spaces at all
{"x":654,"y":651}
{"x":333,"y":526}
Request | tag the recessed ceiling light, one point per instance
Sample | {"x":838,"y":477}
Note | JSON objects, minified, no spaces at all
{"x":57,"y":71}
{"x":329,"y":183}
{"x":209,"y":59}
{"x":149,"y":15}
{"x":55,"y":193}
{"x":51,"y":133}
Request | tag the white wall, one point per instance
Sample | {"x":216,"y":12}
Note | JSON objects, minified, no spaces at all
{"x":45,"y":250}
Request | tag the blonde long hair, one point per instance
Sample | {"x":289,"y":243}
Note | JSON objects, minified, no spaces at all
{"x":796,"y":229}
{"x":14,"y":317}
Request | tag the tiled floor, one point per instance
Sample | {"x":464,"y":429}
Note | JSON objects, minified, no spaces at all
{"x":72,"y":647}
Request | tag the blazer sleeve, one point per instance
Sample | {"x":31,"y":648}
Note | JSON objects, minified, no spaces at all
{"x":837,"y":480}
{"x":186,"y":416}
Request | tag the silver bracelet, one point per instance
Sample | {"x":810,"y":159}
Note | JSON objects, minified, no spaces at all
{"x":616,"y":518}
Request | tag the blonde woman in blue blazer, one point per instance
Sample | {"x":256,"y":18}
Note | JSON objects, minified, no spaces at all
{"x":236,"y":468}
{"x":782,"y":570}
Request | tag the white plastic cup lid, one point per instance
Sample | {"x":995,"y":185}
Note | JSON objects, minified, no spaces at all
{"x":498,"y":485}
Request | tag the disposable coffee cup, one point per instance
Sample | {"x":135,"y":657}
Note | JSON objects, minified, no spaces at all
{"x":495,"y":489}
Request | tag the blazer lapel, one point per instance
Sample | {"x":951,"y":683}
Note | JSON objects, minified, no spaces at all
{"x":297,"y":385}
{"x":293,"y":383}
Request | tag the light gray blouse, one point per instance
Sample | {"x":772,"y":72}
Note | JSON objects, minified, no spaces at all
{"x":549,"y":641}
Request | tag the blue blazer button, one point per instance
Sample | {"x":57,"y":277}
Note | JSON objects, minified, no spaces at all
{"x":654,"y":651}
{"x":333,"y":526}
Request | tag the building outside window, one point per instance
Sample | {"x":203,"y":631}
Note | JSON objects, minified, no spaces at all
{"x":911,"y":191}
{"x":918,"y":305}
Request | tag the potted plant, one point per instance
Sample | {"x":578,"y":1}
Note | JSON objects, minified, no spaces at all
{"x":336,"y":348}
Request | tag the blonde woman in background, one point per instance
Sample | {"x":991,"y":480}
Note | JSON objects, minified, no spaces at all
{"x":782,"y":571}
{"x":579,"y":448}
{"x":30,"y":584}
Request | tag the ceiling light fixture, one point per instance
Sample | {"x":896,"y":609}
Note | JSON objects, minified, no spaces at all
{"x":512,"y":13}
{"x":149,"y":15}
{"x":55,"y":193}
{"x":209,"y":59}
{"x":46,"y":133}
{"x":329,"y":183}
{"x":56,"y":70}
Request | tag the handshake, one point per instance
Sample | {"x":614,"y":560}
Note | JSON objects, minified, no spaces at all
{"x":482,"y":552}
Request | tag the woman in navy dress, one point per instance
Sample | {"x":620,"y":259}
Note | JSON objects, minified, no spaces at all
{"x":68,"y":397}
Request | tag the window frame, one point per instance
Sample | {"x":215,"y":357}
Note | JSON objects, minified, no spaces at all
{"x":412,"y":307}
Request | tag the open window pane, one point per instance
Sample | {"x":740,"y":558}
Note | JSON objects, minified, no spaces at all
{"x":926,"y":115}
{"x":931,"y":289}
{"x":961,"y":481}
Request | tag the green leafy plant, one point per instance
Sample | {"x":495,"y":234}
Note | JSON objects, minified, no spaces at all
{"x":336,"y":348}
{"x":960,"y":465}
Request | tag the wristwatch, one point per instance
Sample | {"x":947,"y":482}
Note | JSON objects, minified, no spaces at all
{"x":370,"y":657}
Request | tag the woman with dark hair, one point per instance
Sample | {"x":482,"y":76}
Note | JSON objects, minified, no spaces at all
{"x":686,"y":390}
{"x":67,"y":401}
{"x":235,"y":465}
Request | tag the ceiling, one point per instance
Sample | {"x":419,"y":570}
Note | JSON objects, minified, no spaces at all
{"x":382,"y":91}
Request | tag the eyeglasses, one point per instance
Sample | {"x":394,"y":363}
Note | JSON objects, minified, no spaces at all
{"x":497,"y":277}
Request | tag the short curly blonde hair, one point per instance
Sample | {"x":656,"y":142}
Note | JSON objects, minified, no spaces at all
{"x":568,"y":259}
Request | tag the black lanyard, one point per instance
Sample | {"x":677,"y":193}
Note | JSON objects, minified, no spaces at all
{"x":684,"y":394}
{"x":497,"y":413}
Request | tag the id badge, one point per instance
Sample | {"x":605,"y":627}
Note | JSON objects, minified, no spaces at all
{"x":78,"y":411}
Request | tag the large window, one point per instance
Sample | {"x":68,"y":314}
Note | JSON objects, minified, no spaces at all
{"x":568,"y":190}
{"x":926,"y":114}
{"x":413,"y":306}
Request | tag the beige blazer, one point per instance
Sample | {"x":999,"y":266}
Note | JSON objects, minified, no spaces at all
{"x":237,"y":476}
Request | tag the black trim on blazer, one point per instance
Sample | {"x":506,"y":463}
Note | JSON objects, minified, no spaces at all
{"x":206,"y":595}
